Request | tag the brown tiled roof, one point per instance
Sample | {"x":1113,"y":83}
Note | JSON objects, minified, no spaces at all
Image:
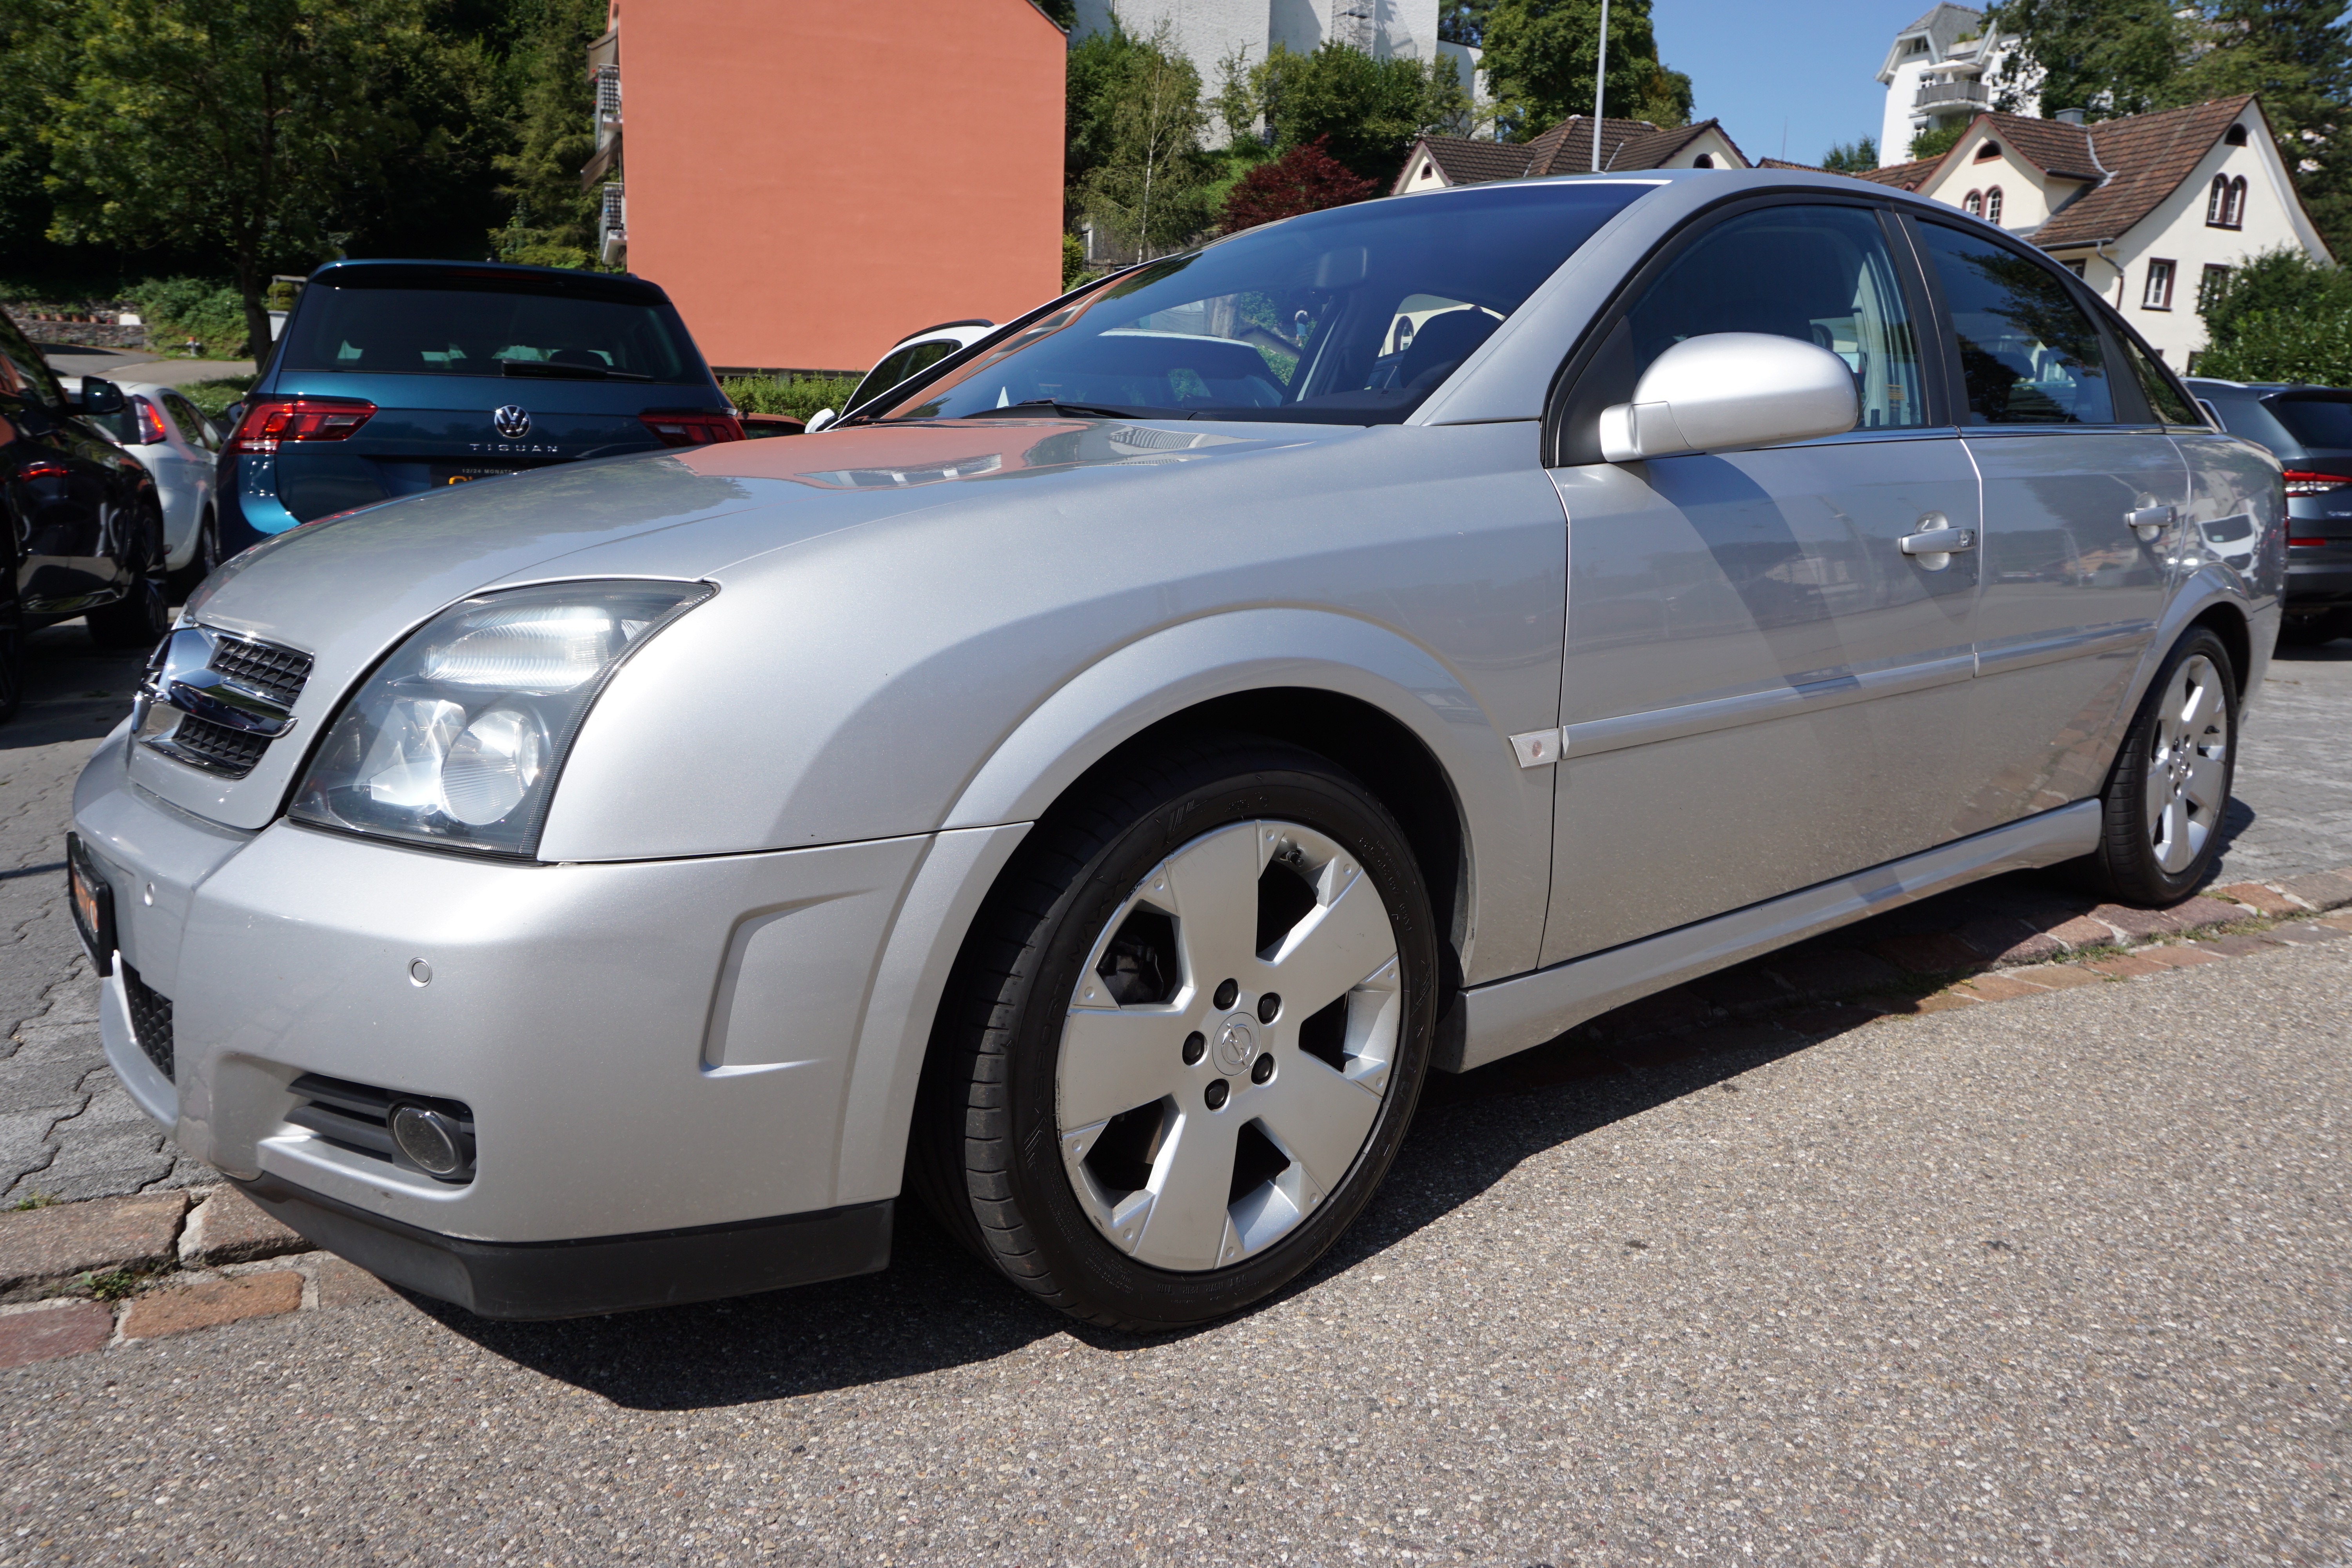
{"x":1785,"y":164}
{"x":1567,"y":147}
{"x":2146,"y":157}
{"x":1652,"y":149}
{"x":1468,"y":163}
{"x":1902,"y":176}
{"x":2050,"y":145}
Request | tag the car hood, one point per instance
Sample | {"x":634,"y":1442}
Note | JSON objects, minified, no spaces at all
{"x":345,"y":589}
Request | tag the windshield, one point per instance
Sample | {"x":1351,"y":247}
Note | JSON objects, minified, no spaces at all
{"x":2323,"y":424}
{"x":467,"y":332}
{"x":1349,"y":316}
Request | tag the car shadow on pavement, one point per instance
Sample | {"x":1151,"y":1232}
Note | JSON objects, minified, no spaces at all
{"x":936,"y":1308}
{"x":74,"y":690}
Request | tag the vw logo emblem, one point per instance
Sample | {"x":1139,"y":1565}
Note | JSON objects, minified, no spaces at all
{"x":511,"y":422}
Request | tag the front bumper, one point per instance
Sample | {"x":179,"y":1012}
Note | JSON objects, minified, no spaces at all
{"x":654,"y":1053}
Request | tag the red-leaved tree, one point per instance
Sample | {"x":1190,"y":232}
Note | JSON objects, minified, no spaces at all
{"x":1304,"y":180}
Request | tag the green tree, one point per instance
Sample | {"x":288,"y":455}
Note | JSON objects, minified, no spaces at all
{"x":1364,"y":112}
{"x":1936,"y":140}
{"x":1852,"y":157}
{"x":1148,"y":186}
{"x":1464,"y":21}
{"x":551,"y":221}
{"x":2282,"y":346}
{"x":2107,"y":58}
{"x":2297,"y":54}
{"x":264,"y":131}
{"x":1541,"y":57}
{"x":2279,"y":285}
{"x":35,"y":58}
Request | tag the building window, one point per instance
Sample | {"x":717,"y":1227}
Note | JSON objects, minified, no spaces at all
{"x":2210,"y":283}
{"x":2157,"y":296}
{"x":1987,"y":153}
{"x":1703,"y":161}
{"x":1992,"y":204}
{"x":2225,"y":203}
{"x":1973,"y":204}
{"x":2076,"y":267}
{"x":2235,"y":136}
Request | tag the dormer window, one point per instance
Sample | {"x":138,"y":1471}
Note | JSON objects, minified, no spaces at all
{"x":1703,"y":161}
{"x":2235,"y":136}
{"x":1987,"y":153}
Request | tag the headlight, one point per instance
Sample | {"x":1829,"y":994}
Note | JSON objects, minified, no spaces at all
{"x":457,"y":738}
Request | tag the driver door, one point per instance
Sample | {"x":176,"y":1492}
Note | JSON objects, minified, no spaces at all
{"x":1762,"y":691}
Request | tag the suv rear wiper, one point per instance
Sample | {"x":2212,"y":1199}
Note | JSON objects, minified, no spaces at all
{"x":1046,"y":404}
{"x":576,"y":371}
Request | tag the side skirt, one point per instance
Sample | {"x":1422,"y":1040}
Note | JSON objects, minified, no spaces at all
{"x":1506,"y":1016}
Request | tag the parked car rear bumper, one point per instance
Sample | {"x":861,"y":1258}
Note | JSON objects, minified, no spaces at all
{"x":2318,"y":576}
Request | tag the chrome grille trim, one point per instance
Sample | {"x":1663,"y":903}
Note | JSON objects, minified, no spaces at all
{"x":225,"y":698}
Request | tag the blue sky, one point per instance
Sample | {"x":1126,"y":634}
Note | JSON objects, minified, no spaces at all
{"x":1809,"y":64}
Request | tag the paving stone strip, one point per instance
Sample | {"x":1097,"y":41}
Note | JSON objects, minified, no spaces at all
{"x":80,"y":1278}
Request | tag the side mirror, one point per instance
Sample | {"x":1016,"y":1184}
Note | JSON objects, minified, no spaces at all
{"x":99,"y":395}
{"x":1731,"y":389}
{"x":818,"y":421}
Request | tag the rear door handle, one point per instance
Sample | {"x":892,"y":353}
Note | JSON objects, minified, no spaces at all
{"x":2148,"y":522}
{"x":1938,"y":541}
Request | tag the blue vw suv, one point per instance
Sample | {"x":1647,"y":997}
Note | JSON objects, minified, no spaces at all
{"x":396,"y":377}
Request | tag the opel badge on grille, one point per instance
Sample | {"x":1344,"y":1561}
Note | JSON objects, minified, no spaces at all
{"x":512,"y":422}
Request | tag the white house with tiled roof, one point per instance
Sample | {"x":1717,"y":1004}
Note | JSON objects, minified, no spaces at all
{"x":2149,"y":208}
{"x":1567,"y":149}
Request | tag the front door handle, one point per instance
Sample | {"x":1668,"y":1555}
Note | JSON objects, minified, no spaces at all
{"x":1938,"y":541}
{"x":2150,"y":521}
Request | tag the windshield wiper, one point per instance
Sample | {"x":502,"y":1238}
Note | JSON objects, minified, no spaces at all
{"x":576,"y":371}
{"x":1080,"y":410}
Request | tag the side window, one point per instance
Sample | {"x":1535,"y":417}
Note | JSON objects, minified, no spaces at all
{"x":193,"y":429}
{"x":2172,"y":406}
{"x":1822,"y":274}
{"x":2028,"y":353}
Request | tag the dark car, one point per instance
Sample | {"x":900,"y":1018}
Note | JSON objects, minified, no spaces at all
{"x":2309,"y":429}
{"x":395,"y":377}
{"x":85,"y":527}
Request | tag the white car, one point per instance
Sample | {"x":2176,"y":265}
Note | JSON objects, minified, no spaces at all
{"x":176,"y":443}
{"x":915,"y":353}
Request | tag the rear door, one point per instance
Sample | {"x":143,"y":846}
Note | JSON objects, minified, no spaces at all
{"x":2083,"y":499}
{"x":1761,"y":690}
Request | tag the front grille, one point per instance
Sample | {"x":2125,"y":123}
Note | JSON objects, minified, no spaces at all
{"x":358,"y":1116}
{"x":151,"y":1020}
{"x":278,"y":673}
{"x":229,"y":751}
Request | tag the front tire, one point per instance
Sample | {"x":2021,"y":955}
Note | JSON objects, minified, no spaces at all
{"x":140,"y":617}
{"x":2166,"y":795}
{"x":1185,"y":1036}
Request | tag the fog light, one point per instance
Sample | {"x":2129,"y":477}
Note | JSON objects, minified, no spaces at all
{"x":434,"y":1140}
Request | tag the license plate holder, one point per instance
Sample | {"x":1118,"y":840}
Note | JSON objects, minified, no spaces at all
{"x":93,"y":904}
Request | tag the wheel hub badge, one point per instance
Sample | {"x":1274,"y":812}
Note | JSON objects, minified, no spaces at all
{"x":1236,"y":1043}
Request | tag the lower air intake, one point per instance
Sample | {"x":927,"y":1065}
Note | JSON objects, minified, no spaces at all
{"x":151,"y":1020}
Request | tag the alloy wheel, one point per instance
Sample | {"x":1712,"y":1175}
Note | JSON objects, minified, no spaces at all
{"x":1228,"y":1045}
{"x":2187,"y":770}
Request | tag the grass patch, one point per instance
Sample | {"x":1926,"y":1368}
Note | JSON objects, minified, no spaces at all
{"x":35,"y":1199}
{"x":215,"y":397}
{"x":112,"y":1283}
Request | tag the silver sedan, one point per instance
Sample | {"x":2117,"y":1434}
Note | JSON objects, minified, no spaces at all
{"x":1093,"y":783}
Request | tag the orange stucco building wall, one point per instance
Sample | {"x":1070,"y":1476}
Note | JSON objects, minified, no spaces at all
{"x":813,"y":179}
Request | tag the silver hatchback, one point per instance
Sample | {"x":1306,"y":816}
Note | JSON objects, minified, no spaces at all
{"x":1093,"y":784}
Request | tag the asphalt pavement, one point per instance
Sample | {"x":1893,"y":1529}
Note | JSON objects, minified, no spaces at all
{"x":2060,"y":1281}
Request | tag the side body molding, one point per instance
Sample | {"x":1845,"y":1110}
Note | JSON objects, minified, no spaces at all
{"x":1506,"y":810}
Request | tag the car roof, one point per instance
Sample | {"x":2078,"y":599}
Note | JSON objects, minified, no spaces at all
{"x":393,"y":272}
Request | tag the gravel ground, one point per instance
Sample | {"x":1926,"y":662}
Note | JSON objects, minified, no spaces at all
{"x":2059,"y":1280}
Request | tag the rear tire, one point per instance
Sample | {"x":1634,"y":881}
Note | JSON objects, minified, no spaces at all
{"x":1097,"y":975}
{"x":140,"y":617}
{"x":2314,"y":628}
{"x":2169,"y":789}
{"x":12,"y":664}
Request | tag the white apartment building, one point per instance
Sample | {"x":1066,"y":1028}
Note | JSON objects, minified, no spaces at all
{"x":1942,"y":71}
{"x":1213,"y":31}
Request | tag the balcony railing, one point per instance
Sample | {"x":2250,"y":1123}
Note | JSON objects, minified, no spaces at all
{"x":1945,"y":97}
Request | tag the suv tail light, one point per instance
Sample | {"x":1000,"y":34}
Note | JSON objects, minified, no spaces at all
{"x":692,"y":429}
{"x":2304,"y":482}
{"x":150,"y":422}
{"x":269,"y":420}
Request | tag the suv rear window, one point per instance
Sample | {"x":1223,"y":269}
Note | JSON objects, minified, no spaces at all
{"x":2325,"y":423}
{"x":485,"y":331}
